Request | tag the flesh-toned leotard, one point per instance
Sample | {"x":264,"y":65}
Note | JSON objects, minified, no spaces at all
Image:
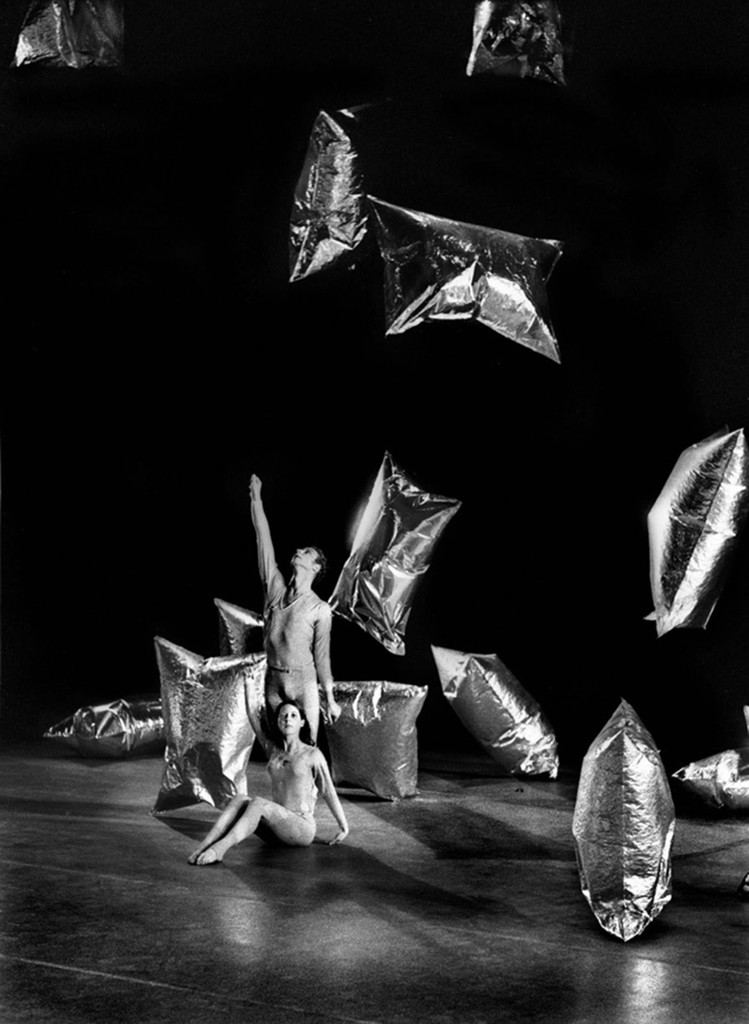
{"x":294,"y":779}
{"x":294,"y":791}
{"x":296,"y":637}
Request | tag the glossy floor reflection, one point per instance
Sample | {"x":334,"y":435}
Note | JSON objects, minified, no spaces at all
{"x":462,"y":904}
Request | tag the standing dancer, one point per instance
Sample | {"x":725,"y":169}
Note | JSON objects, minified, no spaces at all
{"x":297,"y":626}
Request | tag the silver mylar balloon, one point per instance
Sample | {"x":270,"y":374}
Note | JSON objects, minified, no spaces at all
{"x":517,"y":37}
{"x":721,"y":780}
{"x":374,"y":743}
{"x":391,"y":552}
{"x":330,"y":210}
{"x":209,"y":734}
{"x":440,"y":269}
{"x":117,"y":728}
{"x":623,"y":826}
{"x":693,"y":529}
{"x":240,"y":630}
{"x":72,"y":33}
{"x":498,"y":712}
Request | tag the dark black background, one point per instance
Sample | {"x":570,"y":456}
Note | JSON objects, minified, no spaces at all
{"x":154,"y":355}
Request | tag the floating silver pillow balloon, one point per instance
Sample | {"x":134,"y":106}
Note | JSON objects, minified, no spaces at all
{"x":623,"y":826}
{"x":72,"y":33}
{"x":330,"y":211}
{"x":240,"y":630}
{"x":209,"y":734}
{"x":391,"y":552}
{"x":693,"y":528}
{"x":498,"y":712}
{"x":117,"y":728}
{"x":440,"y":269}
{"x":374,"y":743}
{"x":521,"y":38}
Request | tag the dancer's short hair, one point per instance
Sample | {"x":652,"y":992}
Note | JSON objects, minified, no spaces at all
{"x":321,"y":560}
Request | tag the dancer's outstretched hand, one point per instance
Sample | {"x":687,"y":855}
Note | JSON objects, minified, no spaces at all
{"x":339,"y":837}
{"x":255,"y":486}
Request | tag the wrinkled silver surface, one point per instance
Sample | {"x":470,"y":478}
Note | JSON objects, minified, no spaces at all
{"x":392,"y":550}
{"x":440,"y":269}
{"x":114,"y":729}
{"x":208,"y":731}
{"x":522,"y":38}
{"x":693,"y":528}
{"x":72,"y":33}
{"x":721,"y":780}
{"x":374,"y":743}
{"x":623,"y":827}
{"x":330,"y":209}
{"x":498,"y":712}
{"x":240,"y":630}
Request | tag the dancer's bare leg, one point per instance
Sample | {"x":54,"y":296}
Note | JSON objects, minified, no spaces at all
{"x":244,"y":825}
{"x":310,"y":703}
{"x":221,"y":826}
{"x":292,"y":829}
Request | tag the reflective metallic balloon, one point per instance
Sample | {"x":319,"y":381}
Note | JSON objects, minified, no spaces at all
{"x":693,"y":529}
{"x":498,"y":712}
{"x":517,"y":37}
{"x":391,"y":552}
{"x":374,"y":743}
{"x":439,"y":269}
{"x":208,"y":731}
{"x":330,"y":211}
{"x":623,"y":827}
{"x":115,"y":729}
{"x":240,"y":630}
{"x":721,"y":780}
{"x":72,"y":33}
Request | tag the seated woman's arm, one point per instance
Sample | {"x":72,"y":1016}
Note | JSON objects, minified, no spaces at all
{"x":327,"y":791}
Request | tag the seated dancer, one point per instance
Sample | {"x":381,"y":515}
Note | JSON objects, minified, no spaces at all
{"x":297,"y":627}
{"x":297,"y":773}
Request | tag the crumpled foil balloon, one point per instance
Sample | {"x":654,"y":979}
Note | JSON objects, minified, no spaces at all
{"x":721,"y":780}
{"x":330,"y":210}
{"x":440,"y":269}
{"x":115,"y":729}
{"x":72,"y":33}
{"x":623,"y":826}
{"x":517,"y":37}
{"x":374,"y":743}
{"x":498,"y":712}
{"x":208,"y":730}
{"x":693,"y":529}
{"x":240,"y":630}
{"x":391,"y":552}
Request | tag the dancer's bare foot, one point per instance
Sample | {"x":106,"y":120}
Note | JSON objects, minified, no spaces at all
{"x":209,"y":856}
{"x":193,"y":858}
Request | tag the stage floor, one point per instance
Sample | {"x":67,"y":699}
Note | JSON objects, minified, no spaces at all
{"x":461,"y":904}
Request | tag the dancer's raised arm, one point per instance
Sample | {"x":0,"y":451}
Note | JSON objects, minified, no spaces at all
{"x":266,"y":556}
